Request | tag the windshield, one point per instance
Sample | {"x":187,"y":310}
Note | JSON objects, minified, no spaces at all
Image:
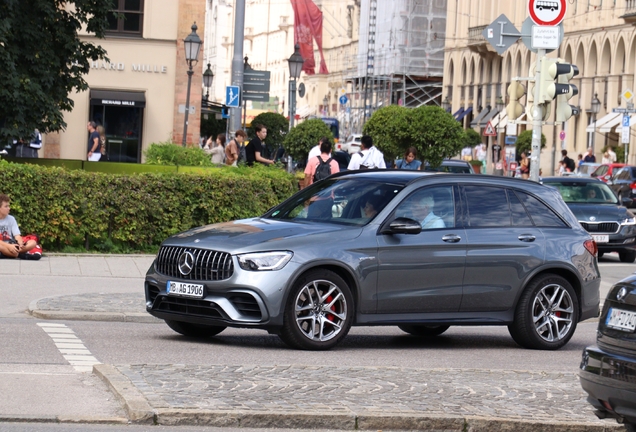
{"x":340,"y":201}
{"x":585,"y":192}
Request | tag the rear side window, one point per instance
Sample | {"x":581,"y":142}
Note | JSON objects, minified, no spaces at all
{"x":487,"y":206}
{"x":520,"y":217}
{"x":541,"y":214}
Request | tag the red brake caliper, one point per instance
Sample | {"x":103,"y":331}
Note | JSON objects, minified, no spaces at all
{"x":333,"y":308}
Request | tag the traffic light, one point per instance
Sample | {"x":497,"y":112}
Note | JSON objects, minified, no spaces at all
{"x":530,"y":103}
{"x":515,"y":92}
{"x":562,"y":90}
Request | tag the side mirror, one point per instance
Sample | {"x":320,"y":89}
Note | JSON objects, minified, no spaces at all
{"x":403,"y":225}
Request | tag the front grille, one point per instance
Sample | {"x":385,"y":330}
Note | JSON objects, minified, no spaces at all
{"x":189,"y":307}
{"x":601,"y":227}
{"x":208,"y":265}
{"x":246,"y":305}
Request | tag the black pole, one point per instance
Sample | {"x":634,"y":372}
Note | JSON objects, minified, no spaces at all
{"x":187,"y":108}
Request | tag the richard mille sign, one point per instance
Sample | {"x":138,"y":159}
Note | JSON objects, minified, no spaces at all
{"x":136,"y":67}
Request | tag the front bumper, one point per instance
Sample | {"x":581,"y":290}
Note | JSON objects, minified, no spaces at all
{"x":610,"y":381}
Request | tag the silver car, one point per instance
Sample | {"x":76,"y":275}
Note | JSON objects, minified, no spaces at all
{"x":381,"y":247}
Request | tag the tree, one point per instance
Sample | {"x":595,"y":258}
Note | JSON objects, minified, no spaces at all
{"x":524,"y":142}
{"x":277,"y":126}
{"x":388,"y":127}
{"x":471,"y":137}
{"x":303,"y":137}
{"x":43,"y":60}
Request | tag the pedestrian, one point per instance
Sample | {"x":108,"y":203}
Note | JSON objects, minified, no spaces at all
{"x":314,"y":171}
{"x":612,"y":155}
{"x":524,"y":166}
{"x":232,"y":148}
{"x":589,"y":157}
{"x":28,"y":148}
{"x":12,"y":245}
{"x":369,"y":157}
{"x":315,"y":150}
{"x":94,"y":150}
{"x":216,"y":148}
{"x":409,"y":162}
{"x":480,"y":153}
{"x":102,"y":141}
{"x":496,"y":154}
{"x":569,"y":163}
{"x":254,"y":149}
{"x":579,"y":161}
{"x":606,"y":158}
{"x":467,"y":153}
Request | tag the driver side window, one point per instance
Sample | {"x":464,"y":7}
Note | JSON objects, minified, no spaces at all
{"x":432,"y":207}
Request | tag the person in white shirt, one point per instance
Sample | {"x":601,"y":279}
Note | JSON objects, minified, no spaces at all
{"x":315,"y":151}
{"x":612,"y":155}
{"x":367,"y":158}
{"x":423,"y":212}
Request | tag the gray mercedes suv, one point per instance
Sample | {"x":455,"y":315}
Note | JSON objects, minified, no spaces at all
{"x":381,"y":247}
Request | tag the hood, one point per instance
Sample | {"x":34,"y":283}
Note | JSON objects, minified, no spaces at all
{"x":257,"y":234}
{"x":592,"y":212}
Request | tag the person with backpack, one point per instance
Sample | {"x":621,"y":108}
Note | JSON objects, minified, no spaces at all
{"x":367,"y":158}
{"x":321,"y":167}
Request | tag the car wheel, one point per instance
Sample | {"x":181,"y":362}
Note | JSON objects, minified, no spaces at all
{"x":546,"y":315}
{"x":627,"y":256}
{"x":194,"y":330}
{"x":319,"y":311}
{"x":630,"y":427}
{"x":424,"y":330}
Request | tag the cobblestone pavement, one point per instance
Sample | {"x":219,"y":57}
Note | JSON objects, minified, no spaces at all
{"x":366,"y":397}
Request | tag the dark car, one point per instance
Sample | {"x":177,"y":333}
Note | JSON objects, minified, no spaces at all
{"x":416,"y":250}
{"x":623,"y":182}
{"x":600,"y":213}
{"x":343,"y":158}
{"x":450,"y":165}
{"x":608,"y":370}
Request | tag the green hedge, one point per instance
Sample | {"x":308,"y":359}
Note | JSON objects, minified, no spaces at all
{"x":137,"y":209}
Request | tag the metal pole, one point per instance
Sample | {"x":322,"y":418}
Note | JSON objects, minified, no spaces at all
{"x":187,"y":107}
{"x":593,"y":133}
{"x":291,"y":101}
{"x":237,"y":61}
{"x":535,"y":159}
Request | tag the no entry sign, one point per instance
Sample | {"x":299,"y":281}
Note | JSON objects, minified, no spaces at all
{"x":547,"y":12}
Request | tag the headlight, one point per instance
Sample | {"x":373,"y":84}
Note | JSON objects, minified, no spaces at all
{"x":262,"y":261}
{"x":629,"y":221}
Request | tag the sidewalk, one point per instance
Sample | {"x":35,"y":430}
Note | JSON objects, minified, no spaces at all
{"x":305,"y":396}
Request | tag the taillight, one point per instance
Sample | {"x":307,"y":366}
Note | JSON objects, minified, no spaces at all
{"x":591,"y":247}
{"x":632,"y":185}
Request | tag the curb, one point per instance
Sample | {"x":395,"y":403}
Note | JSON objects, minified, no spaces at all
{"x":139,"y":410}
{"x":62,"y":419}
{"x":136,"y":317}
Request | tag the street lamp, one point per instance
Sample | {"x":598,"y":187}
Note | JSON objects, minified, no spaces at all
{"x":499,"y":103}
{"x":295,"y":67}
{"x":208,"y":76}
{"x":192,"y":45}
{"x":446,"y":104}
{"x":596,"y":107}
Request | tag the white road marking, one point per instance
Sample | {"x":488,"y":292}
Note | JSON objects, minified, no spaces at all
{"x":70,"y":346}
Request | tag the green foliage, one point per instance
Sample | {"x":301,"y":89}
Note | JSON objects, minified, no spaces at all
{"x":174,"y":154}
{"x":472,"y":138}
{"x":43,"y":60}
{"x":524,"y":142}
{"x":277,"y":126}
{"x":211,"y":127}
{"x":134,"y":212}
{"x":303,"y":137}
{"x":431,"y":130}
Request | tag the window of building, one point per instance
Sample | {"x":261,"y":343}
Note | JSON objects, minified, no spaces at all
{"x":126,"y":17}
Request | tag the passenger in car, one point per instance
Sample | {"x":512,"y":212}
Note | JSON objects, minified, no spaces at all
{"x":423,"y":211}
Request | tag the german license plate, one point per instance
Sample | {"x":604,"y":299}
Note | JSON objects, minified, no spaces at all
{"x":600,"y":238}
{"x":184,"y":289}
{"x":621,"y":320}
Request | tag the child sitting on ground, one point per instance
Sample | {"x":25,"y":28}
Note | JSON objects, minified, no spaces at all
{"x":12,"y":245}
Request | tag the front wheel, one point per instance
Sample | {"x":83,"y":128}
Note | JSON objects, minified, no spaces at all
{"x":627,"y":256}
{"x":194,"y":330}
{"x":546,"y":315}
{"x":424,"y":329}
{"x":319,"y":311}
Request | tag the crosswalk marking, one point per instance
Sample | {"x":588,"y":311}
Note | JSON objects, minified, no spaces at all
{"x":70,"y":346}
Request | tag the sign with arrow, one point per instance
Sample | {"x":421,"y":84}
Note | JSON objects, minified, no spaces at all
{"x":501,"y":34}
{"x":232,"y":98}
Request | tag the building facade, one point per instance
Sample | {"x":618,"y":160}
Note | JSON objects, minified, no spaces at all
{"x":599,"y":38}
{"x":136,"y":94}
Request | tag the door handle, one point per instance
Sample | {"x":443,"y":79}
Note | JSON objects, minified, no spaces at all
{"x":451,"y":238}
{"x":527,"y":238}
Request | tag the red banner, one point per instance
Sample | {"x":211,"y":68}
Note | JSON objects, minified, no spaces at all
{"x":308,"y":27}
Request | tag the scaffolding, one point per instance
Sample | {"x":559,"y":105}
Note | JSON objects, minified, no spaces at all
{"x":400,"y":60}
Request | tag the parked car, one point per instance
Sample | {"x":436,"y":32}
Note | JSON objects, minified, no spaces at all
{"x":598,"y":210}
{"x":604,"y":171}
{"x":351,"y":145}
{"x":623,"y":183}
{"x":585,"y":169}
{"x":416,"y":250}
{"x":450,"y":165}
{"x":608,"y":369}
{"x":343,"y":158}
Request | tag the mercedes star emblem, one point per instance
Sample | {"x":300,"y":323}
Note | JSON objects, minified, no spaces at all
{"x":620,"y":295}
{"x":186,"y":262}
{"x":592,"y":218}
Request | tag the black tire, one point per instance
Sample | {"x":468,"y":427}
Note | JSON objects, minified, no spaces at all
{"x":333,"y":310}
{"x":194,"y":330}
{"x":630,"y":427}
{"x":554,"y":294}
{"x":425,"y":330}
{"x":627,"y":256}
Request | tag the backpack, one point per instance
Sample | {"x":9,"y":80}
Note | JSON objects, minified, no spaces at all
{"x":323,"y":170}
{"x":241,"y":153}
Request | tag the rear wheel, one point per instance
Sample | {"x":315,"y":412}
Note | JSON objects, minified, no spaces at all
{"x":546,"y":315}
{"x":424,"y":329}
{"x":627,"y":256}
{"x":630,"y":427}
{"x":194,"y":330}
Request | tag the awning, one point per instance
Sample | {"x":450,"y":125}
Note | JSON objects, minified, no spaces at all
{"x":476,"y":121}
{"x":465,"y":113}
{"x":608,"y":126}
{"x":305,"y":111}
{"x":118,"y":98}
{"x":496,"y":119}
{"x":484,"y":121}
{"x":458,"y":112}
{"x":600,"y":122}
{"x":619,"y":127}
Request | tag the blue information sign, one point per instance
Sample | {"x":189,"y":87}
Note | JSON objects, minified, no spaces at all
{"x":232,"y":96}
{"x":344,"y":99}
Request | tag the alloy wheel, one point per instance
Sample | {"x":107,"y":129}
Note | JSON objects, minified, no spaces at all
{"x":552,"y":313}
{"x":321,"y":310}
